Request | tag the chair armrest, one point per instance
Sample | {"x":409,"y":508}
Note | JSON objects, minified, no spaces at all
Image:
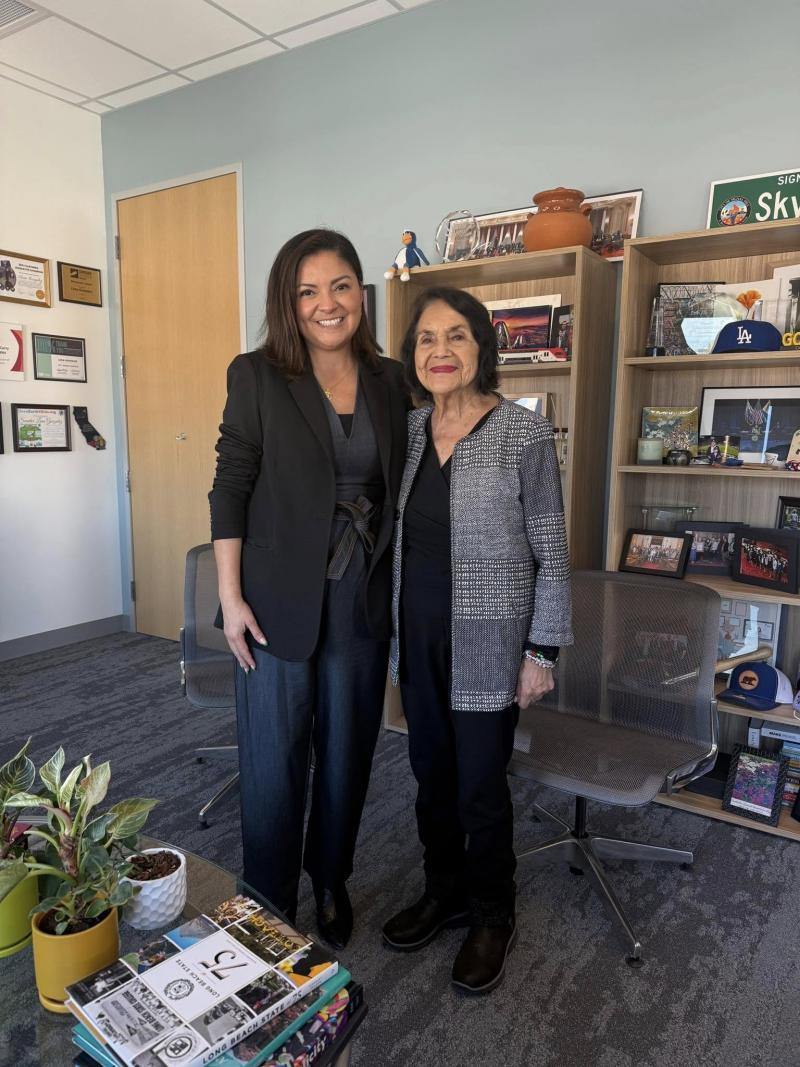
{"x":681,"y":776}
{"x":182,"y":639}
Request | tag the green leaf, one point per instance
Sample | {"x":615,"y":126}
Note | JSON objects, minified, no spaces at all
{"x":95,"y":786}
{"x":61,"y":928}
{"x":97,"y":907}
{"x":121,"y":894}
{"x":12,"y":872}
{"x":97,"y":829}
{"x":51,"y":772}
{"x":25,"y":800}
{"x":132,"y":816}
{"x":18,"y":775}
{"x":68,"y":788}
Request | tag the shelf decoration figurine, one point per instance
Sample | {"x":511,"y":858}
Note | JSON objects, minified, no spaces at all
{"x":562,"y":220}
{"x":409,"y":256}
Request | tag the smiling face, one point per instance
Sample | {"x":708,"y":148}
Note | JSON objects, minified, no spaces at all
{"x":328,"y":303}
{"x":446,"y":353}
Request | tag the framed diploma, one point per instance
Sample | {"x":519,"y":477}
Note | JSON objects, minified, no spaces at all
{"x":79,"y":285}
{"x":11,"y":359}
{"x":59,"y":359}
{"x":40,"y":427}
{"x":2,"y":446}
{"x":24,"y":279}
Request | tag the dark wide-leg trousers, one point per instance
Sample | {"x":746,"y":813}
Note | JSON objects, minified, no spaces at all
{"x":334,"y":701}
{"x":464,"y":812}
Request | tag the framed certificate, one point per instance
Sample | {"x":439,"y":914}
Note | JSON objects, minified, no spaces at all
{"x":24,"y":279}
{"x":59,"y":359}
{"x":11,"y":358}
{"x":79,"y":285}
{"x":40,"y":427}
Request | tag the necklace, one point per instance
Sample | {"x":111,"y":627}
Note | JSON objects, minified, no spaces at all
{"x":329,"y":391}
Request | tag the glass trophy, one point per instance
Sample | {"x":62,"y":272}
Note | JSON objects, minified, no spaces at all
{"x":457,"y":236}
{"x":655,"y":335}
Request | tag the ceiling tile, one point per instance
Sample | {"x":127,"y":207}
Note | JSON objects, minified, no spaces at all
{"x":71,"y":57}
{"x":172,"y":34}
{"x":273,"y":16}
{"x":38,"y":83}
{"x":345,"y":20}
{"x":142,"y":92}
{"x":239,"y":58}
{"x":99,"y":109}
{"x":412,"y":3}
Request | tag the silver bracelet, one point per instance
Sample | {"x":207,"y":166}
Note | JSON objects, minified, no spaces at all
{"x":538,"y":659}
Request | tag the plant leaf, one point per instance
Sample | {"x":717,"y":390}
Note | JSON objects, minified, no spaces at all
{"x":68,"y":788}
{"x":97,"y":829}
{"x":25,"y":800}
{"x":95,"y":786}
{"x":132,"y":816}
{"x":12,"y":872}
{"x":18,"y":775}
{"x":97,"y":907}
{"x":51,"y":772}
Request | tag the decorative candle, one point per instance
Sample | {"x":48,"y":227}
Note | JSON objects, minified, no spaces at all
{"x":650,"y":450}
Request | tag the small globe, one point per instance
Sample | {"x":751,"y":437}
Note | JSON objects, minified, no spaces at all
{"x":457,"y":236}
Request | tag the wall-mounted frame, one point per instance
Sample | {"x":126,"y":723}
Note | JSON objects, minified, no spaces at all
{"x":40,"y":428}
{"x":24,"y":279}
{"x":58,"y":359}
{"x":12,"y":360}
{"x":79,"y":285}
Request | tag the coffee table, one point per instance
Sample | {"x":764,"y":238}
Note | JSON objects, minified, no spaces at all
{"x":33,"y":1037}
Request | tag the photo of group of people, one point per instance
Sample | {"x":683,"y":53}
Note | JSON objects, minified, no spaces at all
{"x":655,"y":553}
{"x":762,"y":559}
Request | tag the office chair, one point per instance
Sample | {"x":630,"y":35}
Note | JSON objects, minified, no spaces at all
{"x":207,"y":664}
{"x":632,"y":714}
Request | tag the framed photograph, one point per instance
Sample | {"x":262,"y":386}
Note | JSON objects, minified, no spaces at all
{"x":615,"y":219}
{"x":725,"y":605}
{"x":40,"y":427}
{"x":677,"y":427}
{"x":717,"y":449}
{"x":369,"y":308}
{"x":745,"y":625}
{"x":712,"y":547}
{"x":755,"y":784}
{"x":79,"y":285}
{"x":2,"y":445}
{"x":58,"y":359}
{"x":522,"y":324}
{"x":763,"y":417}
{"x":538,"y":402}
{"x":766,"y":557}
{"x":763,"y":630}
{"x":12,"y":366}
{"x":499,"y":234}
{"x":788,"y":513}
{"x":24,"y":279}
{"x":653,"y":553}
{"x":561,"y":328}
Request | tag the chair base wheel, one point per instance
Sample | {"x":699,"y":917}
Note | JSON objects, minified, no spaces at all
{"x":634,"y":961}
{"x":203,"y":824}
{"x":575,"y":870}
{"x":686,"y":866}
{"x":199,"y":759}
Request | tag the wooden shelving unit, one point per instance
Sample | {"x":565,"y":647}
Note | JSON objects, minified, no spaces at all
{"x":739,"y":494}
{"x":579,"y":389}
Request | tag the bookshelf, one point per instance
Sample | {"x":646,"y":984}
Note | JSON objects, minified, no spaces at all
{"x":746,"y":254}
{"x":579,"y":390}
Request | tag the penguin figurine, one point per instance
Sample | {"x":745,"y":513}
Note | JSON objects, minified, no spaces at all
{"x":410,"y":255}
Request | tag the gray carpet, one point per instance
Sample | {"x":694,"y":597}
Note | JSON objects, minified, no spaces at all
{"x":720,"y":985}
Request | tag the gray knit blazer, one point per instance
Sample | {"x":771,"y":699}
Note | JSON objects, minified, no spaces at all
{"x":509,"y":557}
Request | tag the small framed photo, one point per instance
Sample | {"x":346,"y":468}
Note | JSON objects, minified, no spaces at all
{"x":522,"y":324}
{"x":40,"y":427}
{"x":725,"y":606}
{"x":561,"y":328}
{"x":653,"y":553}
{"x":58,"y":359}
{"x":499,"y":233}
{"x":755,"y":784}
{"x":615,"y":219}
{"x":788,"y":513}
{"x":763,"y":630}
{"x":79,"y":285}
{"x":537,"y":402}
{"x":24,"y":279}
{"x":766,"y":557}
{"x":718,"y":449}
{"x":712,"y":547}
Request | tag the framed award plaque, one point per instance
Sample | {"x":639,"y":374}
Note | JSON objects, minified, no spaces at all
{"x":24,"y":279}
{"x":79,"y":285}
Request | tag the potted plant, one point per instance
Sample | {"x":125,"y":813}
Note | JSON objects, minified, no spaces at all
{"x":75,"y":928}
{"x":159,"y":877}
{"x":16,"y":776}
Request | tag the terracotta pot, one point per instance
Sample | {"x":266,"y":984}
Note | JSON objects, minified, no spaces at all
{"x":562,"y":220}
{"x":60,"y":960}
{"x":15,"y":923}
{"x":160,"y":900}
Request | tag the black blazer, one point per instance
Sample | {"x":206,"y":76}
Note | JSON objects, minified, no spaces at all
{"x":275,"y":488}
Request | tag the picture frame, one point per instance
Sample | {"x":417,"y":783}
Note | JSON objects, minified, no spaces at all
{"x":754,"y":787}
{"x":645,"y":552}
{"x":24,"y":279}
{"x":788,"y":517}
{"x":58,"y":359}
{"x":615,"y":219}
{"x":744,"y":625}
{"x":764,"y":417}
{"x":536,"y":402}
{"x":561,"y":328}
{"x":676,"y":426}
{"x":40,"y":428}
{"x":712,"y":547}
{"x":499,"y":233}
{"x":79,"y":285}
{"x":368,"y":292}
{"x":522,"y":324}
{"x":12,"y":352}
{"x":766,"y":557}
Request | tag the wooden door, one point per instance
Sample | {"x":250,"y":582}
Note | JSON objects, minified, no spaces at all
{"x":179,"y":270}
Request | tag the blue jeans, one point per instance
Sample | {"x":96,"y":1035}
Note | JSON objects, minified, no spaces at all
{"x":334,"y":701}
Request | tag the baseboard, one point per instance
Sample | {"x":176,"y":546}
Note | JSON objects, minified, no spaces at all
{"x":66,"y":635}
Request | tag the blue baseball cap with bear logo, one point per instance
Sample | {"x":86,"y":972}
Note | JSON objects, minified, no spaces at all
{"x":758,"y":686}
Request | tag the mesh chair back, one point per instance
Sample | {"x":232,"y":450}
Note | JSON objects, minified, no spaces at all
{"x":208,"y":662}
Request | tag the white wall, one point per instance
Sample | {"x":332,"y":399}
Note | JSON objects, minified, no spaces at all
{"x":59,"y":538}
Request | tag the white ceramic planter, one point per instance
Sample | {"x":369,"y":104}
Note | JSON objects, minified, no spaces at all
{"x":159,"y":901}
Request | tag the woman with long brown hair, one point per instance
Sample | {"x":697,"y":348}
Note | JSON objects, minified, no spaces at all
{"x":310,"y":456}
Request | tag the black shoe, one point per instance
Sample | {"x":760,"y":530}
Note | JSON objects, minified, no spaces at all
{"x":416,"y":926}
{"x":334,"y":915}
{"x":481,"y":961}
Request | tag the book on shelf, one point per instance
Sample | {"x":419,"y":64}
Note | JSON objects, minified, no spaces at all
{"x":311,"y":1042}
{"x":201,"y":988}
{"x":780,"y":732}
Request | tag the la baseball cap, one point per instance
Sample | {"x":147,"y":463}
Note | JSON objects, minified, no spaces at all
{"x":758,"y":686}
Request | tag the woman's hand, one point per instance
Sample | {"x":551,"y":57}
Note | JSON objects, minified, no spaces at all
{"x":532,"y":683}
{"x":238,"y":619}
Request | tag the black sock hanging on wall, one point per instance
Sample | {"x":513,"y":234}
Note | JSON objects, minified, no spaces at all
{"x":93,"y":438}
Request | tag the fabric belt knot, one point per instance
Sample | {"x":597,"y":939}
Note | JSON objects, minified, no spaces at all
{"x":358,"y":515}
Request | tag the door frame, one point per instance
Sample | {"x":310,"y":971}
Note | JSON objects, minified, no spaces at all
{"x":120,"y":395}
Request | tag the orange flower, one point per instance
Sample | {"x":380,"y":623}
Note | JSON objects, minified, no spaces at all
{"x":749,"y":297}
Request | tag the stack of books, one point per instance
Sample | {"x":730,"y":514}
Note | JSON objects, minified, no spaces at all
{"x":238,"y":986}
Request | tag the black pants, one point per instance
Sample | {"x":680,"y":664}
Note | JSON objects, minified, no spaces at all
{"x":459,"y":758}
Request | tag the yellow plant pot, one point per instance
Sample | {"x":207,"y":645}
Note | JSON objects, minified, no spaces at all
{"x":61,"y":960}
{"x":15,"y":923}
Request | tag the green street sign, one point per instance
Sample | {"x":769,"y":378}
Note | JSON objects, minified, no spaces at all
{"x":756,"y":198}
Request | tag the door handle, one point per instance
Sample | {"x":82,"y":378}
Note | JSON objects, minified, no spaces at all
{"x":180,"y":436}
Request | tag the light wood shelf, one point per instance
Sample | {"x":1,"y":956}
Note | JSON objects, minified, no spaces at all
{"x":736,"y":494}
{"x":535,"y":369}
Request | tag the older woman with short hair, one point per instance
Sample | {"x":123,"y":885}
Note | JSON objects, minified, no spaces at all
{"x":481,"y":604}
